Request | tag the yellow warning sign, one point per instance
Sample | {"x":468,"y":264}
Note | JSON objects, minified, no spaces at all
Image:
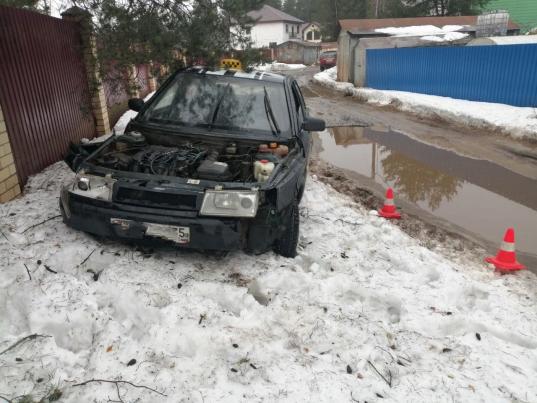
{"x":231,"y":64}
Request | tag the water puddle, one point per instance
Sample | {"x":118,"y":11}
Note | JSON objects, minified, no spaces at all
{"x":476,"y":195}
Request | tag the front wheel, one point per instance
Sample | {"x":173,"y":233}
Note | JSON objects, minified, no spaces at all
{"x":288,"y":242}
{"x":322,"y":68}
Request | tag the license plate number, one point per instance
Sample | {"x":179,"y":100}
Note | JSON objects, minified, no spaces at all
{"x":180,"y":235}
{"x":173,"y":233}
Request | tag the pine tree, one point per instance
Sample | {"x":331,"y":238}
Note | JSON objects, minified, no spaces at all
{"x":446,"y":7}
{"x":167,"y":32}
{"x":41,"y":6}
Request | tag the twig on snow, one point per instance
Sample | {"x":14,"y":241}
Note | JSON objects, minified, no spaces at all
{"x":117,"y":385}
{"x":6,"y":399}
{"x":87,"y":257}
{"x":389,"y":382}
{"x":40,"y":223}
{"x":24,"y":339}
{"x":49,"y":269}
{"x":4,"y":235}
{"x":28,"y":271}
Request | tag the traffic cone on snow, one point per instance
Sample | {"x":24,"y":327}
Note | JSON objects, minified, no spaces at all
{"x":389,"y":210}
{"x":505,"y":260}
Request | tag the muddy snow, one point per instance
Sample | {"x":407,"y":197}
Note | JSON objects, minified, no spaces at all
{"x":364,"y":313}
{"x":517,"y":122}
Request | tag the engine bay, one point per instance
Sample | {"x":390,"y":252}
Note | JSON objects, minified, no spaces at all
{"x":228,"y":162}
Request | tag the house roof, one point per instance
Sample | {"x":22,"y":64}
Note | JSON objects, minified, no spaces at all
{"x":300,"y":43}
{"x":271,"y":14}
{"x":307,"y":24}
{"x":372,"y":24}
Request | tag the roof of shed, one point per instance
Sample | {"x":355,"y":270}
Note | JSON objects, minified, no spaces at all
{"x":271,"y":14}
{"x":300,"y":43}
{"x":372,"y":24}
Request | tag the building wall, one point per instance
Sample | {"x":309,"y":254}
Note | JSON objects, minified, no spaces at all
{"x":293,"y":52}
{"x":312,"y":28}
{"x":343,"y":56}
{"x":523,"y":12}
{"x":500,"y":74}
{"x":266,"y":32}
{"x":358,"y":60}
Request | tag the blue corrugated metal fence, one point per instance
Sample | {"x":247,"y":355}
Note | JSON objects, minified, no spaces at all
{"x":501,"y":74}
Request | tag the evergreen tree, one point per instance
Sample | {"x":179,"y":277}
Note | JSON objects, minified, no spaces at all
{"x":446,"y":7}
{"x":42,"y":6}
{"x":167,"y":32}
{"x":290,"y":7}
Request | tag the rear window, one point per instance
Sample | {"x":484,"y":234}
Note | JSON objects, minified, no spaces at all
{"x":328,"y":54}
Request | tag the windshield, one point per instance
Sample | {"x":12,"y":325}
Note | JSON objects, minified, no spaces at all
{"x":221,"y":102}
{"x":328,"y":54}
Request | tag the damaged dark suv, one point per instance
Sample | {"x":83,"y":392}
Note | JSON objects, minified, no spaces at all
{"x":214,"y":160}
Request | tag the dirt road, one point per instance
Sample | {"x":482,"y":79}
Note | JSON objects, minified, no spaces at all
{"x":454,"y":181}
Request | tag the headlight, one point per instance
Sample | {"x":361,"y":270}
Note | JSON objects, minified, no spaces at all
{"x":230,"y":203}
{"x":95,"y":187}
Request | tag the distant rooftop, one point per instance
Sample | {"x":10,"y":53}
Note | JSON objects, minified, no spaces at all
{"x":365,"y":25}
{"x":271,"y":14}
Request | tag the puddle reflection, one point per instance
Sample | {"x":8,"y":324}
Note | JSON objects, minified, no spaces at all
{"x":477,"y":195}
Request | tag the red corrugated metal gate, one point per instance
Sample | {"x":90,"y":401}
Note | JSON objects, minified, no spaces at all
{"x":44,"y":90}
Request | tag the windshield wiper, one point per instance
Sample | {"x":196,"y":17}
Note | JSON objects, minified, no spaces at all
{"x":217,"y":107}
{"x":270,"y":114}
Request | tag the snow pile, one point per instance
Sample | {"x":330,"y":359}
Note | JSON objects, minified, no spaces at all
{"x":449,"y":37}
{"x":363,"y":313}
{"x":419,"y":30}
{"x":431,"y":33}
{"x":275,"y":66}
{"x":517,"y":122}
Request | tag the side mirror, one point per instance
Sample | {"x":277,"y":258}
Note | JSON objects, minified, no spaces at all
{"x":313,"y":125}
{"x":136,"y":104}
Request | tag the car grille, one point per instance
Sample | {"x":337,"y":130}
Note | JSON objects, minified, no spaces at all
{"x":149,"y":198}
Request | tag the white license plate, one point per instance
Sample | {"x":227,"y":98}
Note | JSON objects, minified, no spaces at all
{"x":176,"y":234}
{"x":169,"y":232}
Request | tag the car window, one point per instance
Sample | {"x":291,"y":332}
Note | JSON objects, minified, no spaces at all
{"x":298,"y":103}
{"x":223,"y":102}
{"x":328,"y":54}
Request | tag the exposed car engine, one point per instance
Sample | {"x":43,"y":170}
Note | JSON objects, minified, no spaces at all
{"x":230,"y":162}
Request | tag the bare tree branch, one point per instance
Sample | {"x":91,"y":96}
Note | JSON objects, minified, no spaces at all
{"x":117,"y":382}
{"x":23,"y":340}
{"x":42,"y":222}
{"x":389,"y":382}
{"x":28,"y":271}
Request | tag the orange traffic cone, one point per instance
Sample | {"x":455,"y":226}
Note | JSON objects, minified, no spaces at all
{"x":389,"y":210}
{"x":505,"y":260}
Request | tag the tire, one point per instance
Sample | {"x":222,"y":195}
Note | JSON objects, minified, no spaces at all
{"x":301,"y":193}
{"x":322,"y":68}
{"x":287,"y":244}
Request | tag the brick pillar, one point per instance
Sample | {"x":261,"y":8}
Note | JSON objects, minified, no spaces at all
{"x":9,"y":181}
{"x":151,"y":81}
{"x":134,"y":92}
{"x":98,"y":98}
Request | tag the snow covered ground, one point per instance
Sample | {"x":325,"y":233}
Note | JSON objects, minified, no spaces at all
{"x":275,"y":66}
{"x":515,"y":121}
{"x":364,"y":313}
